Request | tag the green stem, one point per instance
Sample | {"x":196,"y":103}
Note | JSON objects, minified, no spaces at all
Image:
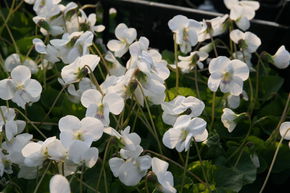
{"x":272,"y":163}
{"x":42,"y":177}
{"x":31,"y":123}
{"x":212,"y":110}
{"x":176,"y":63}
{"x":201,"y":165}
{"x":185,"y":169}
{"x":196,"y":82}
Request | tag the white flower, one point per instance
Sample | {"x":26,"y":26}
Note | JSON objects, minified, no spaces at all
{"x":242,"y":12}
{"x":234,"y":101}
{"x":212,"y":27}
{"x":281,"y":59}
{"x":246,"y":57}
{"x":20,"y":88}
{"x":15,"y":60}
{"x":130,"y":171}
{"x":48,"y":27}
{"x":187,"y":63}
{"x":186,"y":32}
{"x":88,"y":23}
{"x":83,"y":85}
{"x":36,"y":153}
{"x":228,"y":75}
{"x":229,"y":119}
{"x":125,"y":37}
{"x":99,"y":106}
{"x":15,"y":146}
{"x":12,"y":127}
{"x":46,"y":8}
{"x":72,"y":129}
{"x":50,"y":53}
{"x":179,"y":105}
{"x":73,"y":45}
{"x":247,"y":41}
{"x":184,"y":130}
{"x":164,"y":177}
{"x":59,"y":184}
{"x":115,"y":68}
{"x":285,"y":130}
{"x":81,"y":153}
{"x":75,"y":71}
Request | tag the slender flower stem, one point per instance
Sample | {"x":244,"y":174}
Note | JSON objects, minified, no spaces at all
{"x":103,"y":164}
{"x":150,"y":117}
{"x":272,"y":163}
{"x":201,"y":165}
{"x":185,"y":169}
{"x":102,"y":57}
{"x":212,"y":110}
{"x":196,"y":82}
{"x":176,"y":63}
{"x":54,"y":102}
{"x":282,"y":119}
{"x":31,"y":123}
{"x":42,"y":177}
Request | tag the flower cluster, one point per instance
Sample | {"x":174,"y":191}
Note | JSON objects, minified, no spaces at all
{"x":109,"y":84}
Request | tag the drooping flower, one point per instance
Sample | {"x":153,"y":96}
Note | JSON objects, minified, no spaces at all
{"x":125,"y":38}
{"x":229,"y":119}
{"x":186,"y":32}
{"x":77,"y":70}
{"x":184,"y":130}
{"x":212,"y":27}
{"x":12,"y":127}
{"x":234,"y":101}
{"x":242,"y":12}
{"x":35,"y":153}
{"x":228,"y":75}
{"x":48,"y":51}
{"x":81,"y":153}
{"x":281,"y":59}
{"x":59,"y":184}
{"x":20,"y":88}
{"x":247,"y":41}
{"x":181,"y":105}
{"x":285,"y":130}
{"x":15,"y":60}
{"x":130,"y":171}
{"x":72,"y":129}
{"x":73,"y":45}
{"x":187,"y":63}
{"x":164,"y":177}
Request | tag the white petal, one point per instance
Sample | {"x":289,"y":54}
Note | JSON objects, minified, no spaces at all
{"x":171,"y":138}
{"x":253,"y":42}
{"x":236,"y":36}
{"x":115,"y":164}
{"x":285,"y":130}
{"x":33,"y":88}
{"x":91,"y":96}
{"x":114,"y":102}
{"x":21,"y":73}
{"x":91,"y":157}
{"x":159,"y":165}
{"x":59,"y":184}
{"x":214,"y":81}
{"x":7,"y":91}
{"x":178,"y":22}
{"x":69,"y":123}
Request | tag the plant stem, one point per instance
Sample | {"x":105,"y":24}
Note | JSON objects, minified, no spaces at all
{"x":272,"y":163}
{"x":212,"y":110}
{"x":42,"y":177}
{"x":185,"y":169}
{"x":196,"y":82}
{"x":176,"y":63}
